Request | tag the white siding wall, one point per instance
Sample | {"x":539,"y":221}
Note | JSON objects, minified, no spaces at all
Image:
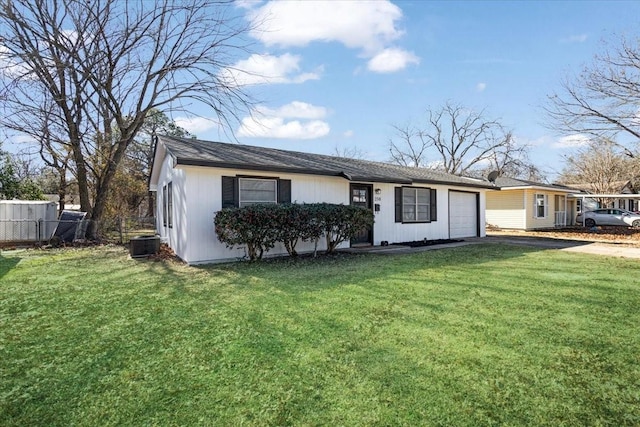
{"x":549,"y":220}
{"x":204,"y":199}
{"x":506,"y":209}
{"x":386,"y":228}
{"x":516,"y":209}
{"x":198,"y":196}
{"x":176,"y":236}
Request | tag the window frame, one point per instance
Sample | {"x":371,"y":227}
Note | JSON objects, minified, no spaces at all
{"x":417,"y":220}
{"x":537,"y":206}
{"x":243,"y":203}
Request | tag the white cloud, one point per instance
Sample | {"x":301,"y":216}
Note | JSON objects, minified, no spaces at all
{"x":369,"y":26}
{"x":572,"y":141}
{"x":480,"y":87}
{"x":391,"y":60}
{"x":296,"y":110}
{"x":348,"y":134}
{"x":575,"y":38}
{"x":196,"y":125}
{"x":268,"y":69}
{"x":9,"y":67}
{"x":273,"y":123}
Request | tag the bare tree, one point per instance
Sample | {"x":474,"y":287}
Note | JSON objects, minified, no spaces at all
{"x":458,"y":141}
{"x":349,"y":153}
{"x":142,"y":149}
{"x":408,"y":147}
{"x":600,"y":164}
{"x":511,"y":160}
{"x":92,"y":71}
{"x":604,"y":99}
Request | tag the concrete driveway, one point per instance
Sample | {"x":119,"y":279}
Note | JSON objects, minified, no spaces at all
{"x":594,"y":248}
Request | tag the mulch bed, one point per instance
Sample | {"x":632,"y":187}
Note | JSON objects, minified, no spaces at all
{"x":420,"y":243}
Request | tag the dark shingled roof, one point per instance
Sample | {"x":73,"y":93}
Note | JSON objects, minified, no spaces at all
{"x":505,"y":183}
{"x":195,"y":152}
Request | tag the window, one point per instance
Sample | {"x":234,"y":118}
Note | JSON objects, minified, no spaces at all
{"x":540,"y":206}
{"x":164,"y":206}
{"x":244,"y":191}
{"x":257,"y":191}
{"x":358,"y":195}
{"x":415,"y":204}
{"x":170,"y":205}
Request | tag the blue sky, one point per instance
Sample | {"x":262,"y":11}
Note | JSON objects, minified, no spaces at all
{"x":340,"y":74}
{"x":337,"y":74}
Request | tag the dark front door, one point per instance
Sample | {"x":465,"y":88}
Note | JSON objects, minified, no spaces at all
{"x":361,"y":196}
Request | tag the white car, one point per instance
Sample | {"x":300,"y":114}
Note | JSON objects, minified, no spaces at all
{"x":609,"y":217}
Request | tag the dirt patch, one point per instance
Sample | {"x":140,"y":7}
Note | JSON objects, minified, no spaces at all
{"x":603,"y":234}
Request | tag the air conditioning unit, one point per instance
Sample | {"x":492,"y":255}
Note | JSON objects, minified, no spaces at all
{"x":142,"y":246}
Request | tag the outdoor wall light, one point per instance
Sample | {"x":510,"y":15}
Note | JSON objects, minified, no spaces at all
{"x":378,"y":191}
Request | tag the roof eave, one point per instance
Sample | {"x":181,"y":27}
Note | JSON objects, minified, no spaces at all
{"x":539,"y":187}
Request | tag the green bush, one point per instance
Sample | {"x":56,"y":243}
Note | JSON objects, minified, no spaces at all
{"x":260,"y":226}
{"x":340,"y":223}
{"x":296,"y":222}
{"x":253,"y":225}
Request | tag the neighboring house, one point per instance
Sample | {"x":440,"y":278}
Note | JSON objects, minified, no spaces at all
{"x":195,"y":179}
{"x":617,"y":189}
{"x":70,"y":204}
{"x":527,"y":205}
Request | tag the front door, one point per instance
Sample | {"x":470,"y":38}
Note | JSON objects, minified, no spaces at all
{"x":361,"y":196}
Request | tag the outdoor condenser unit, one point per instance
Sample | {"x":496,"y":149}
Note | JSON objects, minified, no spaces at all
{"x":142,"y":246}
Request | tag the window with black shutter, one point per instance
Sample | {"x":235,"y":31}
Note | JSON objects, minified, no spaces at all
{"x":415,"y":204}
{"x":244,"y":191}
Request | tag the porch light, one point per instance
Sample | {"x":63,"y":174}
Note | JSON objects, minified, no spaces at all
{"x":378,"y":191}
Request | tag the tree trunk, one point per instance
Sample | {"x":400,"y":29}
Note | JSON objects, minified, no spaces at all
{"x":150,"y":205}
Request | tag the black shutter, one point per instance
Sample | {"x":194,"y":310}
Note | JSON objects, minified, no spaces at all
{"x":398,"y":192}
{"x":433,"y":204}
{"x":230,"y":192}
{"x":284,"y":191}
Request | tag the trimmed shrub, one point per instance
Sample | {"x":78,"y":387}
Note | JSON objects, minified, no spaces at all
{"x":340,"y":223}
{"x":254,"y":225}
{"x":260,"y":226}
{"x":295,"y":223}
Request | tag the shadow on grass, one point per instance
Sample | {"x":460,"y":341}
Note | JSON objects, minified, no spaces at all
{"x":7,"y":263}
{"x":542,"y":243}
{"x":307,"y":274}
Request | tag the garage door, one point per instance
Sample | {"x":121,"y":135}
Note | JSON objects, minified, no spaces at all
{"x":463,"y":214}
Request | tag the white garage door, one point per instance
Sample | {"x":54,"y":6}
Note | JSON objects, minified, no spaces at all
{"x":463,"y":215}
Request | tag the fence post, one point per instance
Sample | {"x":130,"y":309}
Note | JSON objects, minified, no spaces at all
{"x":39,"y":231}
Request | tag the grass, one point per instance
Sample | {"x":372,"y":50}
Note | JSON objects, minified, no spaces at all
{"x":474,"y":336}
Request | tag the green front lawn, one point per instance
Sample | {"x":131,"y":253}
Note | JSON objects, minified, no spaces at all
{"x":472,"y":336}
